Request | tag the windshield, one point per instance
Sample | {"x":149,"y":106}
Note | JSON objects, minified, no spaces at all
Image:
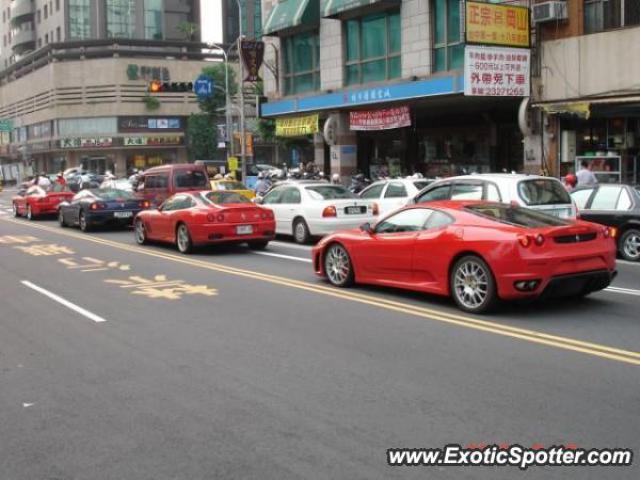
{"x":329,"y":192}
{"x":223,"y":198}
{"x":522,"y":217}
{"x":229,"y":186}
{"x":543,"y":191}
{"x":112,"y":194}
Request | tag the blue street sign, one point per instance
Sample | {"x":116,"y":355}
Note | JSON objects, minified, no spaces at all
{"x":203,"y":87}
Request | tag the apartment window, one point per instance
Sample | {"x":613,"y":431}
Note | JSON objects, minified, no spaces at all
{"x":448,"y":50}
{"x":373,"y":45}
{"x":57,"y":5}
{"x":79,"y":19}
{"x":58,"y":34}
{"x":46,"y":11}
{"x":40,"y":42}
{"x":4,"y":41}
{"x":601,"y":15}
{"x":301,"y":54}
{"x":46,"y":39}
{"x":121,"y":18}
{"x":153,"y":19}
{"x":4,"y":16}
{"x":39,"y":16}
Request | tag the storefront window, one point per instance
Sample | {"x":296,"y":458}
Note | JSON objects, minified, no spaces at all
{"x":79,"y":19}
{"x":600,"y":15}
{"x":373,"y":45}
{"x":153,"y":19}
{"x":121,"y":18}
{"x":448,"y":51}
{"x":301,"y":55}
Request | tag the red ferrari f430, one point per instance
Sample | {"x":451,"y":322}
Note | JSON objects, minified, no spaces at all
{"x":209,"y":217}
{"x":475,"y":252}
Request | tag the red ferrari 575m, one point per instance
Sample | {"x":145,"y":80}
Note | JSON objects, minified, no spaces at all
{"x":37,"y":200}
{"x":191,"y":219}
{"x":475,"y":252}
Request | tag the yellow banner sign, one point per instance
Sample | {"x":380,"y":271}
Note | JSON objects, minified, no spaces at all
{"x":493,"y":24}
{"x":297,"y":126}
{"x":233,"y":163}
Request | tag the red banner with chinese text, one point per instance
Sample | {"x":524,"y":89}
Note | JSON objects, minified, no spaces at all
{"x":384,"y":119}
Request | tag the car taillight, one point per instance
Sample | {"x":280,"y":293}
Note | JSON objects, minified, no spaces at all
{"x":220,"y":217}
{"x":211,"y":217}
{"x":375,"y":210}
{"x":98,"y":206}
{"x":525,"y":240}
{"x":266,"y":215}
{"x":539,"y":240}
{"x":145,"y":204}
{"x":329,"y":211}
{"x":610,"y":232}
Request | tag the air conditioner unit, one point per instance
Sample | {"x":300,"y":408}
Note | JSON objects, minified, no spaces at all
{"x":549,"y":11}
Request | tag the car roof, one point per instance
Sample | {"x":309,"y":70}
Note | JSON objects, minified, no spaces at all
{"x":175,"y":166}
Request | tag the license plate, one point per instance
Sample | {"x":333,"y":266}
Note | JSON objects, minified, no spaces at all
{"x":244,"y":230}
{"x":123,"y":214}
{"x":353,"y":210}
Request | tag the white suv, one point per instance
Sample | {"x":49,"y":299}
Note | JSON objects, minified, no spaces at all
{"x":546,"y":194}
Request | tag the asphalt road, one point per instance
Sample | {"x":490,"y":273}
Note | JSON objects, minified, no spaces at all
{"x":236,"y":364}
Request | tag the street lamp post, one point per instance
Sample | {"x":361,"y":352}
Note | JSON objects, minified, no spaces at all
{"x":243,"y":142}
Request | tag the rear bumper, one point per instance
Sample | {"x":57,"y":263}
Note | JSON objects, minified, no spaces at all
{"x":578,"y":283}
{"x":210,"y":233}
{"x":107,"y":218}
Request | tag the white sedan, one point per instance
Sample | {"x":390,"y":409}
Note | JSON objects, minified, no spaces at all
{"x":305,"y":210}
{"x":393,"y":194}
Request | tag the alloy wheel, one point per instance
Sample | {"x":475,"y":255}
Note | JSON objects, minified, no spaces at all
{"x":471,"y":284}
{"x":140,"y":233}
{"x":183,"y":239}
{"x":301,"y":232}
{"x":61,"y":219}
{"x":337,"y":265}
{"x":631,"y":245}
{"x":82,"y":220}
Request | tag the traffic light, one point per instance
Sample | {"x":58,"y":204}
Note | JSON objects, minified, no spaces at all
{"x":156,"y":86}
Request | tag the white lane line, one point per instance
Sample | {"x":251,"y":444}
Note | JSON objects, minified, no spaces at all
{"x":625,"y":291}
{"x":66,"y":303}
{"x":291,"y":245}
{"x":286,"y":257}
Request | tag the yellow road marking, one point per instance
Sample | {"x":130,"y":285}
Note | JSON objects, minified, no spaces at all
{"x":531,"y":336}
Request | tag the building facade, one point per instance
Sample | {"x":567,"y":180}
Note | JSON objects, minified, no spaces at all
{"x":588,"y":89}
{"x":80,"y":97}
{"x":251,"y":20}
{"x":381,"y":86}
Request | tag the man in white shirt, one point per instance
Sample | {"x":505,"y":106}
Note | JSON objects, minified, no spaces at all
{"x":585,"y":176}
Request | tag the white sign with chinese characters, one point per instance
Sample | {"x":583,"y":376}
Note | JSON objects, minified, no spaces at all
{"x":496,"y":72}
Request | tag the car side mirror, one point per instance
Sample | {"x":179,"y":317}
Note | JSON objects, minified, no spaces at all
{"x":367,"y":228}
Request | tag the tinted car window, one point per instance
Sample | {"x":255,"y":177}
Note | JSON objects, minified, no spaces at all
{"x":223,"y":198}
{"x":179,"y":202}
{"x":420,"y":184}
{"x":581,"y":197}
{"x":329,"y":192}
{"x":412,"y":220}
{"x":396,"y":190}
{"x":466,"y":191}
{"x":522,"y":217}
{"x":542,"y":191}
{"x":440,"y":192}
{"x":190,"y":179}
{"x":156,"y":181}
{"x":290,"y":196}
{"x":606,"y":198}
{"x":111,"y":194}
{"x":273,"y":197}
{"x":439,"y":219}
{"x":229,"y":185}
{"x":373,"y":191}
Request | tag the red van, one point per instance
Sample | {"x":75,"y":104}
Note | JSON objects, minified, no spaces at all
{"x":159,"y":183}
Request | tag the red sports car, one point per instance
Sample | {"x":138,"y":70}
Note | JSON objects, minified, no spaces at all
{"x":476,"y":252}
{"x":207,"y":217}
{"x":39,"y":200}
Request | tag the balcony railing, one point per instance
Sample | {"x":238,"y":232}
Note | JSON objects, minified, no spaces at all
{"x":23,"y":40}
{"x":20,"y":9}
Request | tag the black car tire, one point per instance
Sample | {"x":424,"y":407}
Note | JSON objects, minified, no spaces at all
{"x":301,"y":231}
{"x":15,"y":210}
{"x":338,"y":266}
{"x":61,"y":220}
{"x":472,"y":285}
{"x":183,"y":239}
{"x":140,"y":232}
{"x":629,"y":245}
{"x":83,"y":222}
{"x":258,"y":244}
